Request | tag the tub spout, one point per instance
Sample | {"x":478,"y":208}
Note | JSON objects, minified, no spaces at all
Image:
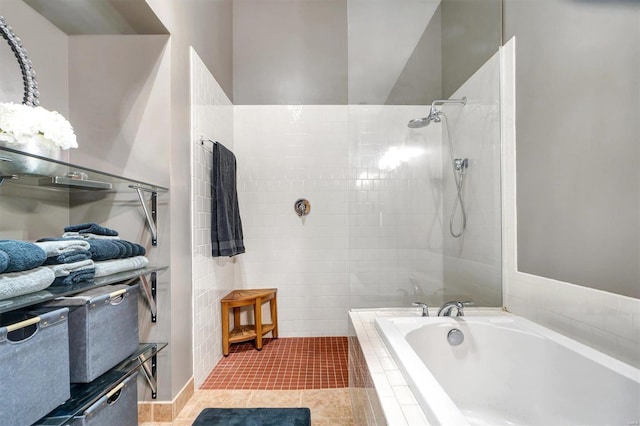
{"x":445,"y":310}
{"x":425,"y":308}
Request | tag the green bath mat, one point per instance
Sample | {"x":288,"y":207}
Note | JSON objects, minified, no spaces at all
{"x":254,"y":417}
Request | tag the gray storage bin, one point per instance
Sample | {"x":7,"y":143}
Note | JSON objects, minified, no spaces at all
{"x":34,"y":365}
{"x":103,"y":329}
{"x":118,"y":407}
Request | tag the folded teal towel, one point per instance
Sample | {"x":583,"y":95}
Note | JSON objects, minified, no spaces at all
{"x":131,"y":249}
{"x":122,"y":248}
{"x":23,"y":255}
{"x":75,"y":277}
{"x":140,"y":250}
{"x":71,"y":273}
{"x":103,"y":249}
{"x":18,"y":283}
{"x":65,"y":269}
{"x":4,"y":260}
{"x":99,"y":249}
{"x":91,"y":228}
{"x":71,"y":257}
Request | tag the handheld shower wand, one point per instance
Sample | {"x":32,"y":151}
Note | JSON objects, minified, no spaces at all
{"x":459,"y":165}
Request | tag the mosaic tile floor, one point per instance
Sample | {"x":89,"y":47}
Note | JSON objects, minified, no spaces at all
{"x":283,"y":364}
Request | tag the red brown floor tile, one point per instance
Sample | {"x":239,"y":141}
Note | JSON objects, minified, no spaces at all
{"x":283,"y":364}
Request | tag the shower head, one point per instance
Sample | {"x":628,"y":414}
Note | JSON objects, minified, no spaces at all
{"x":418,"y":123}
{"x":434,"y":115}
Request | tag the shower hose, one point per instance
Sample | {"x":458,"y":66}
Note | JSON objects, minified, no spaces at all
{"x":458,"y":175}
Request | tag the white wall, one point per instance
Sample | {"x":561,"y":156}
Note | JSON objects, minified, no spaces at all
{"x":608,"y":322}
{"x":211,"y":118}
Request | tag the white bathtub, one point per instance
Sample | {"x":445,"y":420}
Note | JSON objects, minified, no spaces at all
{"x":509,"y":371}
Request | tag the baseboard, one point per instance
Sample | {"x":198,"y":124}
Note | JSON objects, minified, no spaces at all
{"x":163,"y":411}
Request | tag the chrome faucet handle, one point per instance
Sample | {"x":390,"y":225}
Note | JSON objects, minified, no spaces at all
{"x":461,"y":308}
{"x":425,"y":308}
{"x":445,"y":310}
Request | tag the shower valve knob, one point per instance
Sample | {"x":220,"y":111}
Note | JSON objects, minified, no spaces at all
{"x":461,"y":164}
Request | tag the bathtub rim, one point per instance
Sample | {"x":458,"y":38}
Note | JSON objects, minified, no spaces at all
{"x":608,"y":361}
{"x":442,"y":409}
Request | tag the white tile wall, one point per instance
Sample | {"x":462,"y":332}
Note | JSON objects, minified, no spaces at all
{"x":370,"y":228}
{"x":211,"y":118}
{"x":472,"y":263}
{"x":395,"y":217}
{"x":291,"y":152}
{"x":608,"y":322}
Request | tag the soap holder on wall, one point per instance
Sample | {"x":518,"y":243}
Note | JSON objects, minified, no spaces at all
{"x":302,"y":207}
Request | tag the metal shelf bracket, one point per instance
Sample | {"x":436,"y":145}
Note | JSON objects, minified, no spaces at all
{"x":150,"y":373}
{"x":150,"y":216}
{"x":3,"y":177}
{"x":149,"y":291}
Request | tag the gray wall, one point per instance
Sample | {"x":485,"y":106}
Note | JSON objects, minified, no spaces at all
{"x":129,"y":102}
{"x":577,"y":108}
{"x":47,"y":49}
{"x":26,"y":213}
{"x":471,"y":34}
{"x":289,"y":52}
{"x":376,"y":52}
{"x":184,"y":20}
{"x":119,"y":89}
{"x":420,"y":82}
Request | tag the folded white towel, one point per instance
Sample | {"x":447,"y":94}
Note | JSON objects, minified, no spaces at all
{"x":56,"y":248}
{"x":64,"y":269}
{"x":14,"y":284}
{"x":110,"y":267}
{"x":88,"y":236}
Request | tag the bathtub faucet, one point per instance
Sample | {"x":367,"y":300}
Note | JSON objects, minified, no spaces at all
{"x":445,"y":310}
{"x":425,"y":308}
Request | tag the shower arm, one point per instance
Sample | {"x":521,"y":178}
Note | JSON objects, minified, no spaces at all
{"x":439,"y":102}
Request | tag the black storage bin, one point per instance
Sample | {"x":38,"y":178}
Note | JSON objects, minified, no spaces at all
{"x":103,"y":329}
{"x":118,"y":407}
{"x":34,"y":364}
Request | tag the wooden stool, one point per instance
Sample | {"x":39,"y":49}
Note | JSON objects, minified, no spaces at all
{"x":241,"y":333}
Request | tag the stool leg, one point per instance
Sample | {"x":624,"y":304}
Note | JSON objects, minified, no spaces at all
{"x":257,"y":309}
{"x":274,"y":317}
{"x":225,"y":329}
{"x":236,"y":317}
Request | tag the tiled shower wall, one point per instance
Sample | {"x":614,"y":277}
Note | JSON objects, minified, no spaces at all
{"x":378,"y":191}
{"x":291,"y":152}
{"x":473,"y":262}
{"x":212,"y":118}
{"x":395,"y":220}
{"x":370,"y":228}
